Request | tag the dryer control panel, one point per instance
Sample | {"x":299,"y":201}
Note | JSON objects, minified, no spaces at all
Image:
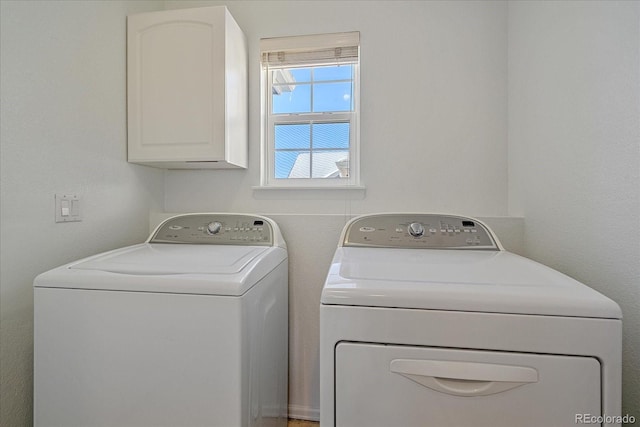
{"x":215,"y":229}
{"x":430,"y":231}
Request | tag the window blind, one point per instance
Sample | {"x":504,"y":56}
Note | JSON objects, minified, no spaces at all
{"x":337,"y":48}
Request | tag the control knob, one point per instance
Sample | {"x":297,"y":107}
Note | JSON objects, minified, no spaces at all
{"x":416,"y":229}
{"x":214,"y":227}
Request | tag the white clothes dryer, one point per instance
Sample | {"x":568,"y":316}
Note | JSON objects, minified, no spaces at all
{"x":187,"y":329}
{"x":425,"y":320}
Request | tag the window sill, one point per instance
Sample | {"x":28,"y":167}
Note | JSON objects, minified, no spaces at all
{"x":310,"y":187}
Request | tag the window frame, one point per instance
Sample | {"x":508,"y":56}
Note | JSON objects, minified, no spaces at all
{"x":269,"y":120}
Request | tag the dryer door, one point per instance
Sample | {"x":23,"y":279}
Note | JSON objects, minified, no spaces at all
{"x":380,"y":385}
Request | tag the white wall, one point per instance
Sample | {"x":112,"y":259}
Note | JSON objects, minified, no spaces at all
{"x":63,"y":129}
{"x":574,"y":150}
{"x":433,"y":137}
{"x":433,"y":110}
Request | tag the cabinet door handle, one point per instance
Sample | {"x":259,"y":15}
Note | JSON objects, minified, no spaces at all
{"x":464,"y":378}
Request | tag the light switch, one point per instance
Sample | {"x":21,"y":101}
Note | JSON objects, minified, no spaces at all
{"x":75,"y":207}
{"x":68,"y":208}
{"x":64,"y":204}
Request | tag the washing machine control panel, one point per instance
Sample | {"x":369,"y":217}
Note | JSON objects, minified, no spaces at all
{"x":429,"y":231}
{"x":215,"y":229}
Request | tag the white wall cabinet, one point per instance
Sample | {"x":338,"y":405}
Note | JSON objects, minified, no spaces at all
{"x":187,"y":89}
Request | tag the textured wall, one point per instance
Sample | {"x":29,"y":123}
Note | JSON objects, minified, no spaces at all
{"x":433,"y":109}
{"x":63,"y":129}
{"x":574,"y":146}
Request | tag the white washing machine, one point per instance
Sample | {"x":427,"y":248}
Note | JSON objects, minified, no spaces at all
{"x":426,"y":321}
{"x":189,"y":329}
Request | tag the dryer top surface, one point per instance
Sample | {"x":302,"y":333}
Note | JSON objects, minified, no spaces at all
{"x":458,"y":280}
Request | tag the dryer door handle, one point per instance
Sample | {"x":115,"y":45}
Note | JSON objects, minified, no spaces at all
{"x":464,"y":378}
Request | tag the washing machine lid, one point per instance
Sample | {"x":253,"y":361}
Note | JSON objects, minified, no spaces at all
{"x":163,"y":259}
{"x":172,"y":268}
{"x":458,"y":280}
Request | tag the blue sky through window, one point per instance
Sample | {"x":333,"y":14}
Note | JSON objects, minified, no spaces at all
{"x":315,"y":90}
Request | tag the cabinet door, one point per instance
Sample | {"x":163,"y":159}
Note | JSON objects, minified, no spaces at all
{"x":384,"y":385}
{"x":176,"y":85}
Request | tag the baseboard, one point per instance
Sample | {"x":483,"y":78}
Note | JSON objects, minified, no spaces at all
{"x":300,"y":412}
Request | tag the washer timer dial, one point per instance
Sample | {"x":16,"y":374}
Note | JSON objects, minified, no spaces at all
{"x":214,"y":227}
{"x":416,"y":229}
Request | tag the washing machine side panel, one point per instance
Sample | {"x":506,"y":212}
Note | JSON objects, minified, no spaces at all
{"x":415,"y":386}
{"x":266,"y":355}
{"x":136,"y":359}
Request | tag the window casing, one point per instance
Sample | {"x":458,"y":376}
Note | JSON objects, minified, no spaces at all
{"x":310,"y":111}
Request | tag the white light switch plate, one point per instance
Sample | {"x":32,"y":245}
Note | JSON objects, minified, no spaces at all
{"x":68,"y":208}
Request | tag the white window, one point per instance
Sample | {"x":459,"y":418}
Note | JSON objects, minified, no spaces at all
{"x":310,"y":111}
